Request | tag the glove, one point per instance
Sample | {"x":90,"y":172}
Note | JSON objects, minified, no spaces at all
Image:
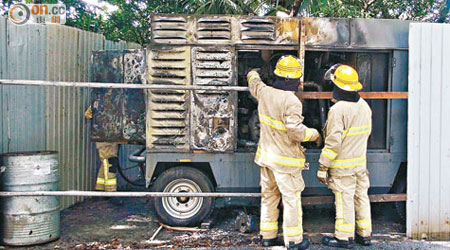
{"x":322,"y":174}
{"x":88,"y":113}
{"x":252,"y":74}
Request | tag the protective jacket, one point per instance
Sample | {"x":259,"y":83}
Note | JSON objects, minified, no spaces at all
{"x":280,"y":116}
{"x":281,"y":158}
{"x":346,"y":133}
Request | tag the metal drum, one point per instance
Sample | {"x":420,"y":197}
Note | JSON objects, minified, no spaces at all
{"x":33,"y":219}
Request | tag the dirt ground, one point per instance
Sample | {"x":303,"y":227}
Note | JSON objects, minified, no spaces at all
{"x":130,"y":223}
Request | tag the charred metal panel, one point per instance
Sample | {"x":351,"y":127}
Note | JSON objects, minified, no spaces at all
{"x":213,"y":124}
{"x":134,"y":99}
{"x":288,"y":31}
{"x":373,"y":69}
{"x":214,"y":29}
{"x":134,"y":66}
{"x":118,"y":114}
{"x":169,"y":29}
{"x":167,"y":110}
{"x":106,"y":124}
{"x":319,"y":32}
{"x":379,"y":33}
{"x":328,"y":32}
{"x":397,"y":133}
{"x":356,"y":33}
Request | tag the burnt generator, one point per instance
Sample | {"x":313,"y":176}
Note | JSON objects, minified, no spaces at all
{"x":205,"y":140}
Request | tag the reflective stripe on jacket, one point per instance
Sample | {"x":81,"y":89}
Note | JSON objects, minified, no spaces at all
{"x":346,"y":133}
{"x":282,"y":130}
{"x":279,"y":159}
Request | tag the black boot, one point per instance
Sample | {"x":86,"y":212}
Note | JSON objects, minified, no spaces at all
{"x":365,"y":241}
{"x":334,"y":242}
{"x":271,"y":242}
{"x":300,"y":246}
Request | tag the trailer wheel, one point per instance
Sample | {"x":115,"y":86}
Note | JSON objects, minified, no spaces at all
{"x":183,"y":211}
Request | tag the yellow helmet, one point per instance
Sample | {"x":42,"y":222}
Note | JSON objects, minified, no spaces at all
{"x":288,"y":67}
{"x":345,"y":77}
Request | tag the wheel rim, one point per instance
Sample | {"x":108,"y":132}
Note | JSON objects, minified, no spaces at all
{"x":182,"y":207}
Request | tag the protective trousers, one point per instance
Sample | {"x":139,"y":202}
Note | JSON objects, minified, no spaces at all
{"x":350,"y":197}
{"x":275,"y":185}
{"x":106,"y":178}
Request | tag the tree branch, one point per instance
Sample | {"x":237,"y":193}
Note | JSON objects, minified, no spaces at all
{"x":368,"y":4}
{"x":295,"y":7}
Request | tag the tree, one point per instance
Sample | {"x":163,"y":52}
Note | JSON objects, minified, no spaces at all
{"x":418,"y":10}
{"x":233,"y":7}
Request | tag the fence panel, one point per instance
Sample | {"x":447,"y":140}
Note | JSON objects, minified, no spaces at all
{"x":50,"y":118}
{"x":428,"y":205}
{"x":23,"y":107}
{"x":69,"y":52}
{"x":3,"y":75}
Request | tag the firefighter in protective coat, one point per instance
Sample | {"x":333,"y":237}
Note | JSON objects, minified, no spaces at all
{"x":279,"y":154}
{"x":108,"y":152}
{"x":343,"y":158}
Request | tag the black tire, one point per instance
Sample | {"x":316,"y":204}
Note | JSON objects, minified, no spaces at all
{"x":183,"y":179}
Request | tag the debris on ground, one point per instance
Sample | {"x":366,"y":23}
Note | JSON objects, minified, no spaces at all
{"x":156,"y":233}
{"x":132,"y":224}
{"x":183,"y":229}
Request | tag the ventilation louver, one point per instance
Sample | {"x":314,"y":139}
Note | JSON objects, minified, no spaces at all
{"x":212,"y":112}
{"x":168,"y":29}
{"x":214,"y":29}
{"x":167,"y":112}
{"x":212,"y":66}
{"x":255,"y":29}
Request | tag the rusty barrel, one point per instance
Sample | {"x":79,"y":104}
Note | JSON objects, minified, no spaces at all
{"x":30,"y":220}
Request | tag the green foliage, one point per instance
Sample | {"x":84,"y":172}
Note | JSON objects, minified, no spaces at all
{"x":237,"y":7}
{"x":131,"y":21}
{"x":393,"y":9}
{"x":81,"y":16}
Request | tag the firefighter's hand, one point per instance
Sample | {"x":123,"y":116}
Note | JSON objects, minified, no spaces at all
{"x":319,"y":140}
{"x":252,"y":74}
{"x":88,"y":113}
{"x":322,"y":174}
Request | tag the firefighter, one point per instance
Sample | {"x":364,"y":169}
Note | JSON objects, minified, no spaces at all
{"x":343,"y":158}
{"x":108,"y":152}
{"x":279,"y":154}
